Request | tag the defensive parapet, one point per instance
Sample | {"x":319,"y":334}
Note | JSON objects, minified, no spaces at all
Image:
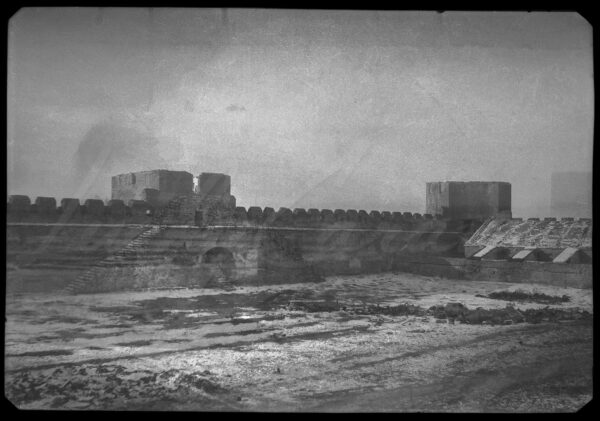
{"x":20,"y":208}
{"x":265,"y":240}
{"x":328,"y":219}
{"x":169,"y":198}
{"x":45,"y":210}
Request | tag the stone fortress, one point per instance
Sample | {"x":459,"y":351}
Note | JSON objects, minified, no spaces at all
{"x":159,"y":229}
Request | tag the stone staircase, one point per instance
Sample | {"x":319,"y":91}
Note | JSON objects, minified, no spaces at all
{"x":120,"y":258}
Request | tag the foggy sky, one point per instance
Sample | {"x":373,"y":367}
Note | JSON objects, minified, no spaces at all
{"x":326,"y":109}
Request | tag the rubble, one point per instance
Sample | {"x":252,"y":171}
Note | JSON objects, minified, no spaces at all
{"x":525,"y":296}
{"x":507,"y":315}
{"x":111,"y":386}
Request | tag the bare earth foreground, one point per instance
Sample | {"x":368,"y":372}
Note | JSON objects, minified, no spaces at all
{"x":334,"y":348}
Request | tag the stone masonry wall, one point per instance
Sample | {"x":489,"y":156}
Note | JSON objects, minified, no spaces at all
{"x":468,"y":200}
{"x":165,"y":184}
{"x":215,"y":210}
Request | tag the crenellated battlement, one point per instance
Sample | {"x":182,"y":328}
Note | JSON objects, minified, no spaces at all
{"x":69,"y":210}
{"x":327,"y":218}
{"x":20,"y":208}
{"x":187,"y":224}
{"x":164,"y":197}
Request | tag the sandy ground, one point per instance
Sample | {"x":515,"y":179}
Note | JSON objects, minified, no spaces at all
{"x":248,"y":350}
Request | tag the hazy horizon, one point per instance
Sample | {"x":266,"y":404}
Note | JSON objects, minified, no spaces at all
{"x":325,"y":109}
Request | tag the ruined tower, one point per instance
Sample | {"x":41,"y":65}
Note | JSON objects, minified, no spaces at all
{"x":157,"y":187}
{"x":463,"y":200}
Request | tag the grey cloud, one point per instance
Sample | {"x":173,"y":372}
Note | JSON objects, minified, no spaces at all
{"x":111,"y":147}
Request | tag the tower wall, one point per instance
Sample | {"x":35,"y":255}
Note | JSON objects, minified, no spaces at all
{"x":468,"y":200}
{"x":168,"y":184}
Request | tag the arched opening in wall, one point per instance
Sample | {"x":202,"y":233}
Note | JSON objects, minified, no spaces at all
{"x":219,"y":264}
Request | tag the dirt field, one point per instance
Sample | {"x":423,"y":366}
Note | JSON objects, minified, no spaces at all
{"x":360,"y":343}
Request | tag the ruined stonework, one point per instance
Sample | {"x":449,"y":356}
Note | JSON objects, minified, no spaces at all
{"x":469,"y":200}
{"x":546,"y":240}
{"x":215,"y":210}
{"x":197,"y":210}
{"x":209,"y":204}
{"x":157,"y":186}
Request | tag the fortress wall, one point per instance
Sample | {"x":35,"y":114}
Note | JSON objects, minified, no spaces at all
{"x":240,"y":216}
{"x":94,"y":208}
{"x":545,"y":273}
{"x":268,"y":215}
{"x":548,"y":273}
{"x":19,"y":203}
{"x":255,"y":215}
{"x":116,"y":211}
{"x":283,"y":218}
{"x":44,"y":210}
{"x":48,"y":257}
{"x":338,"y":219}
{"x":353,"y":251}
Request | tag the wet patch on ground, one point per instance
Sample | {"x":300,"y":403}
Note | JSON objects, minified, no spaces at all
{"x":135,"y":343}
{"x":327,"y":334}
{"x":62,"y":319}
{"x":174,"y":312}
{"x":508,"y":315}
{"x":109,"y":387}
{"x":66,"y":335}
{"x":355,"y":342}
{"x":49,"y":353}
{"x":526,"y":296}
{"x":451,"y":312}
